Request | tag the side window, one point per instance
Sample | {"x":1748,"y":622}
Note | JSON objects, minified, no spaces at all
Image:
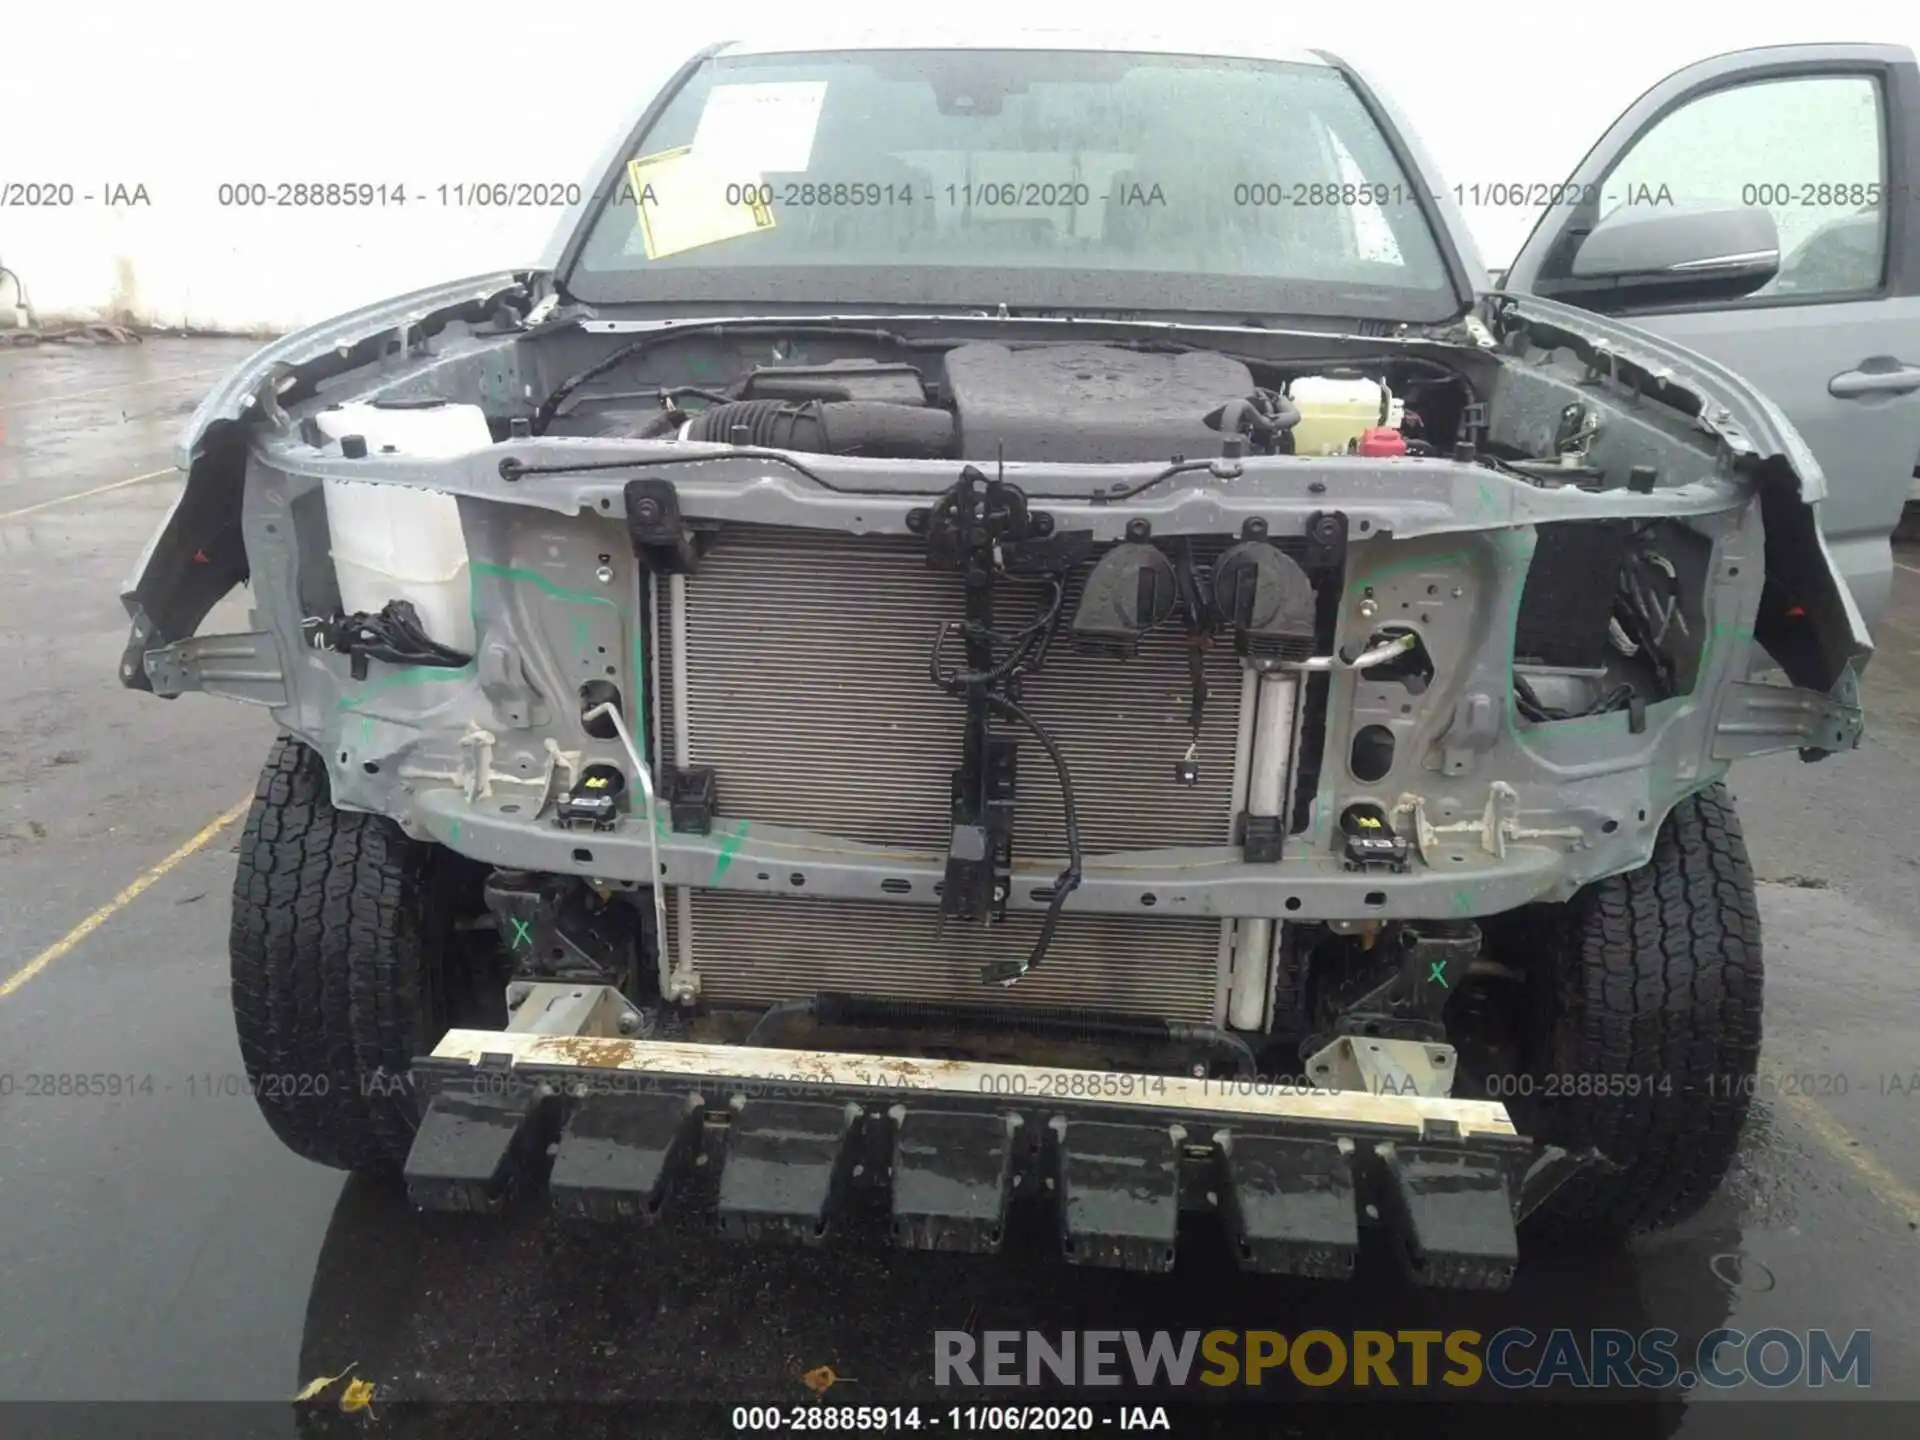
{"x":1808,"y":149}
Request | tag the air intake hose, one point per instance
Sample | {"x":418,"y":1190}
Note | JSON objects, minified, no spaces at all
{"x":831,"y":427}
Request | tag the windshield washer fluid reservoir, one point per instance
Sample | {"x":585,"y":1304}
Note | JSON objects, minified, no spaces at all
{"x":1334,"y":412}
{"x":392,"y":542}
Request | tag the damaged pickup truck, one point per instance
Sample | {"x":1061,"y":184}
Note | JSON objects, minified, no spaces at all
{"x":1000,"y":628}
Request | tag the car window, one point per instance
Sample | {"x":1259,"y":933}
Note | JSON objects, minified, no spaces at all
{"x":1060,"y":164}
{"x":1808,"y":149}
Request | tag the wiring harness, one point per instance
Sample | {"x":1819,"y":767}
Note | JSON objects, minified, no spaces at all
{"x":982,"y":528}
{"x":394,"y":635}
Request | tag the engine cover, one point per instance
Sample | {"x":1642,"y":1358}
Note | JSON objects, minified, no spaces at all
{"x":1089,"y":403}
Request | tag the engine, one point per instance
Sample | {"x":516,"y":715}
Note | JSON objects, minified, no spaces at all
{"x":1075,"y":403}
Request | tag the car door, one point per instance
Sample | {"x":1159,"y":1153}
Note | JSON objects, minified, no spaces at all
{"x":1825,"y":139}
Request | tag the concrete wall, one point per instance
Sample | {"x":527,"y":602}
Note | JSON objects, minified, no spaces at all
{"x":181,"y":98}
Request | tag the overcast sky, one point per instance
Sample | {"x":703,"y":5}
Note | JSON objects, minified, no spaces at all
{"x":182,"y":96}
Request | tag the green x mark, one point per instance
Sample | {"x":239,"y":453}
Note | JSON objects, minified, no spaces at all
{"x":522,"y":934}
{"x":1436,"y":971}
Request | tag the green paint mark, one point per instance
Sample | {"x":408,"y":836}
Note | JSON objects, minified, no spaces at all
{"x":1461,"y":901}
{"x":412,"y":675}
{"x":453,"y":833}
{"x":431,"y":674}
{"x":1373,"y":574}
{"x":727,"y":848}
{"x":522,"y":934}
{"x":1437,"y":970}
{"x":541,"y":583}
{"x":366,"y":729}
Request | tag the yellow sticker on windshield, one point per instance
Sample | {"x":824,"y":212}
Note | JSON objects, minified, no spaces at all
{"x":686,"y":202}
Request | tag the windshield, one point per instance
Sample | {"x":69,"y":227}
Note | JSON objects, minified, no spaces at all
{"x":1054,"y":179}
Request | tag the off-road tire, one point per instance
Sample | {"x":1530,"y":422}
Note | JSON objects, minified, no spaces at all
{"x":1653,"y":992}
{"x":339,"y":935}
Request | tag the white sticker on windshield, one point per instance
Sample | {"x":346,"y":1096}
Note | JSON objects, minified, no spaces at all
{"x":761,"y":127}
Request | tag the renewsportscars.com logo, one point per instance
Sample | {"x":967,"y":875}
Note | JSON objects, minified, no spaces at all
{"x":1512,"y":1359}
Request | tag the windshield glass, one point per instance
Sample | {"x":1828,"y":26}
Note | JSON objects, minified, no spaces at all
{"x":1056,"y":179}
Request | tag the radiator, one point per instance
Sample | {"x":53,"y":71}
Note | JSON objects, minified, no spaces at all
{"x":807,"y":691}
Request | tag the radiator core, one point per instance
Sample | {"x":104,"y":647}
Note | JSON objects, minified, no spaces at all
{"x":807,"y":691}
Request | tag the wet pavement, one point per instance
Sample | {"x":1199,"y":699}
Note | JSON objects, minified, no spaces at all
{"x":161,"y":1246}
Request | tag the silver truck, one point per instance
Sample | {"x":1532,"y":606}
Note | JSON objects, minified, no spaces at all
{"x":1011,"y":624}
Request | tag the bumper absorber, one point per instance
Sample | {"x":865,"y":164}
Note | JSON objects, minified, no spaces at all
{"x":805,"y":1143}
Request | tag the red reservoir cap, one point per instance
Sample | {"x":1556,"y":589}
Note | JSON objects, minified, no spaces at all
{"x":1381,"y":440}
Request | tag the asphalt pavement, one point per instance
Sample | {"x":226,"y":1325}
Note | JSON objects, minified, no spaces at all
{"x":160,"y":1245}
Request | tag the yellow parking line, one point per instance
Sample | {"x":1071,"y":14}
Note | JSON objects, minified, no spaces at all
{"x":82,"y":494}
{"x":120,"y":902}
{"x":1892,"y":1191}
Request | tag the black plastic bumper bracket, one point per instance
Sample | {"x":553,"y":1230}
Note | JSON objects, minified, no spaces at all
{"x":473,"y":1150}
{"x":786,"y":1169}
{"x":1290,"y":1205}
{"x":1119,"y":1194}
{"x":952,"y":1177}
{"x":1451,"y":1213}
{"x":620,"y":1155}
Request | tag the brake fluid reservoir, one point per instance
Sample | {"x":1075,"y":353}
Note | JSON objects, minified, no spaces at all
{"x":1334,"y":412}
{"x":391,"y":542}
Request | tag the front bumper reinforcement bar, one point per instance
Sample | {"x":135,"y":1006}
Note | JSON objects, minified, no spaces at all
{"x":799,"y":1144}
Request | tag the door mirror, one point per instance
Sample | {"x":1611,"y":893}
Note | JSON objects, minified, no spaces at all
{"x":1703,"y":250}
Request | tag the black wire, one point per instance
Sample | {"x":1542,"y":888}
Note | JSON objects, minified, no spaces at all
{"x":652,"y":392}
{"x":513,"y":468}
{"x":1029,"y":645}
{"x":1026,"y":632}
{"x":1069,"y":879}
{"x":1108,"y":497}
{"x":394,"y":635}
{"x":1533,"y":708}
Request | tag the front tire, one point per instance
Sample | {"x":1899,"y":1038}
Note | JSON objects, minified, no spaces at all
{"x":339,"y":948}
{"x":1651,"y":1004}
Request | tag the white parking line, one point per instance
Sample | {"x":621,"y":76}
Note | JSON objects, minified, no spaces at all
{"x":82,"y":494}
{"x":1910,"y":569}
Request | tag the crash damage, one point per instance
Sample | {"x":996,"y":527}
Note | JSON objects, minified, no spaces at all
{"x":1016,"y":680}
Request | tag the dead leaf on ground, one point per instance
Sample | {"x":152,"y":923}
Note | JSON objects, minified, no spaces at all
{"x":314,"y":1387}
{"x":357,"y":1396}
{"x":822,"y":1378}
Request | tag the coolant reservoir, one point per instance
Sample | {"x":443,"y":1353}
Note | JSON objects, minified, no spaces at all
{"x":1334,"y":412}
{"x":391,"y":542}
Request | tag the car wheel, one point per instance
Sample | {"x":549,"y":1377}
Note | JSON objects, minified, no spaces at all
{"x":1646,"y":1027}
{"x":341,"y":945}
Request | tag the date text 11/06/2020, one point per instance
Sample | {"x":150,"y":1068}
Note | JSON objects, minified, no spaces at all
{"x":1040,"y":1085}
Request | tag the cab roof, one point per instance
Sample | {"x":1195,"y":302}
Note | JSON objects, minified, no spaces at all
{"x":1126,"y":39}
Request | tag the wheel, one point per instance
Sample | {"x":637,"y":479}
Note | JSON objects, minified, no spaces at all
{"x":342,"y":949}
{"x":1907,"y":527}
{"x":1644,"y":1026}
